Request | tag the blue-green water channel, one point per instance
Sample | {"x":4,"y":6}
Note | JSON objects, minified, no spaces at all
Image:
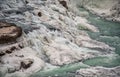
{"x":64,"y":71}
{"x":109,"y":33}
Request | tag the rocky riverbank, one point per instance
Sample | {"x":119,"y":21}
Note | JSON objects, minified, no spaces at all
{"x":44,"y":33}
{"x":99,"y":72}
{"x":106,"y":9}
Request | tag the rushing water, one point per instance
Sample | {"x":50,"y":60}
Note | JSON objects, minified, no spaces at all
{"x":64,"y":71}
{"x":109,"y":33}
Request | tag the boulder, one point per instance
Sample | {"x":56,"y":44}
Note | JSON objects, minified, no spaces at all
{"x":21,"y":62}
{"x":9,"y":32}
{"x":26,"y":63}
{"x":61,"y":52}
{"x":63,"y":3}
{"x":99,"y":72}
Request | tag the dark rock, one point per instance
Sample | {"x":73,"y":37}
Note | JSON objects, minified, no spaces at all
{"x":39,"y":14}
{"x":26,"y":63}
{"x":64,"y":3}
{"x":9,"y":32}
{"x":2,"y":53}
{"x":26,"y":2}
{"x":21,"y":46}
{"x":13,"y":48}
{"x":8,"y":51}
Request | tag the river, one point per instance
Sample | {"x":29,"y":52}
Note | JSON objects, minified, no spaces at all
{"x":109,"y":34}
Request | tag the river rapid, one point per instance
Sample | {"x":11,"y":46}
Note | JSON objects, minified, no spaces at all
{"x":109,"y":34}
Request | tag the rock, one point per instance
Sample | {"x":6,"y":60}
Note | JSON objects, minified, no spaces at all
{"x":39,"y":14}
{"x":9,"y":32}
{"x":62,"y":52}
{"x":86,"y":41}
{"x":84,"y":24}
{"x":2,"y":53}
{"x":107,"y":9}
{"x":8,"y":49}
{"x":98,"y":72}
{"x":115,"y":12}
{"x":51,"y":36}
{"x":26,"y":2}
{"x":63,"y":3}
{"x":26,"y":63}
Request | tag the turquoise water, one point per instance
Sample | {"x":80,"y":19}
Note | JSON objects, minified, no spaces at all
{"x":64,"y":71}
{"x":103,"y":61}
{"x":109,"y":33}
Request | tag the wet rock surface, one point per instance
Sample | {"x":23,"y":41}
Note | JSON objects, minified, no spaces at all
{"x":106,"y":9}
{"x":21,"y":61}
{"x":9,"y":32}
{"x":98,"y":72}
{"x":61,"y":54}
{"x":116,"y":12}
{"x":26,"y":63}
{"x":50,"y":37}
{"x":64,"y":3}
